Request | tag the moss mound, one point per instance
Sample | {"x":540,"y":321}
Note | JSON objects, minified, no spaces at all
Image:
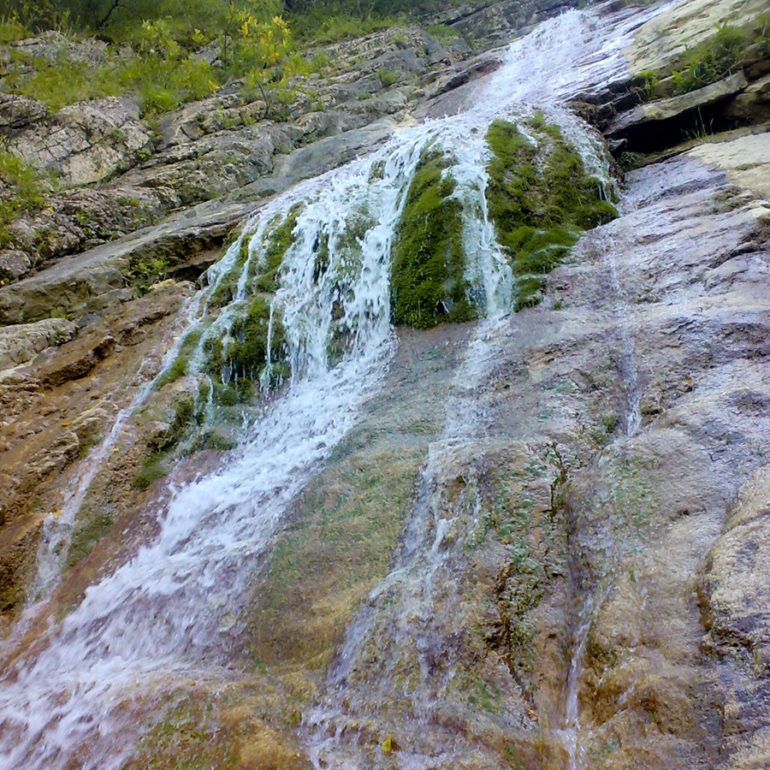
{"x":540,"y":198}
{"x":428,"y":285}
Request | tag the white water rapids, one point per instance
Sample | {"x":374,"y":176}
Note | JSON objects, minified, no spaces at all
{"x":167,"y":612}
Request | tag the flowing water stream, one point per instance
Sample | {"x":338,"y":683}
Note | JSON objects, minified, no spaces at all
{"x":170,"y":610}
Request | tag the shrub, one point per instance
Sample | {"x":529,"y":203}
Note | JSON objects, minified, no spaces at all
{"x":22,"y":189}
{"x":388,"y":77}
{"x":443,"y":33}
{"x":650,"y":83}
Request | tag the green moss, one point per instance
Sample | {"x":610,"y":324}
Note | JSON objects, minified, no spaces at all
{"x":184,"y":415}
{"x":213,"y":440}
{"x":428,"y":285}
{"x":213,"y":349}
{"x":247,"y":355}
{"x":152,"y":469}
{"x":227,"y":288}
{"x":279,"y":242}
{"x":329,"y":559}
{"x":540,"y":198}
{"x":228,"y":396}
{"x":180,"y":367}
{"x":322,"y":255}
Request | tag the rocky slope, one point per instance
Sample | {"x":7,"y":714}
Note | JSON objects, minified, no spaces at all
{"x":598,"y":595}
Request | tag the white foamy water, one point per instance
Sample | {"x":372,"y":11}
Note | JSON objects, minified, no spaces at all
{"x":170,"y":609}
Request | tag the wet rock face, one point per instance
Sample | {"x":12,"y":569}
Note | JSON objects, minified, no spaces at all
{"x":622,"y":419}
{"x":734,"y":595}
{"x":60,"y":388}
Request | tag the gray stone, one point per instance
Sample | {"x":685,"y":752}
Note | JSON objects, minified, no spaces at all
{"x":666,"y":109}
{"x":18,"y":111}
{"x":13,"y":265}
{"x":21,"y":343}
{"x":87,"y":142}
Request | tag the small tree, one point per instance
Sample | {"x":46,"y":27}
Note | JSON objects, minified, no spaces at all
{"x":262,"y":51}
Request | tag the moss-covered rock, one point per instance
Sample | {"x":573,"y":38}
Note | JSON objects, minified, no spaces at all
{"x":225,"y":291}
{"x":248,"y":352}
{"x":264,"y":273}
{"x":181,"y":364}
{"x":540,"y":198}
{"x":428,"y":284}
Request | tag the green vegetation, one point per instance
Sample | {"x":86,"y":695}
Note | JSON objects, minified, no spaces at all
{"x":153,"y":468}
{"x":711,"y":60}
{"x":162,"y":76}
{"x":154,"y":52}
{"x":225,"y":291}
{"x":428,"y":285}
{"x":443,"y":33}
{"x":340,"y":545}
{"x":179,"y":368}
{"x":22,"y":189}
{"x":540,"y":198}
{"x":388,"y":77}
{"x":763,"y":34}
{"x":264,"y":275}
{"x":247,"y":354}
{"x":650,"y":83}
{"x":154,"y":46}
{"x":317,"y":26}
{"x":241,"y":360}
{"x":145,"y":270}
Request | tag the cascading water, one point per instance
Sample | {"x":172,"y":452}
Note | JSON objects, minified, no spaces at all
{"x":58,"y":527}
{"x":168,"y":612}
{"x":559,"y":59}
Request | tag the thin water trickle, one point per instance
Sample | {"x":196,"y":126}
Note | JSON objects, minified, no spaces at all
{"x":569,"y":733}
{"x":628,"y":367}
{"x":58,"y":527}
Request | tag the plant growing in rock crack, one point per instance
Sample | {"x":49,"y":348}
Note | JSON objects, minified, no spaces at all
{"x":22,"y":189}
{"x":709,"y":61}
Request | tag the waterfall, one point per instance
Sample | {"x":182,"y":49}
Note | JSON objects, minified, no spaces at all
{"x":169,"y":612}
{"x":541,"y":71}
